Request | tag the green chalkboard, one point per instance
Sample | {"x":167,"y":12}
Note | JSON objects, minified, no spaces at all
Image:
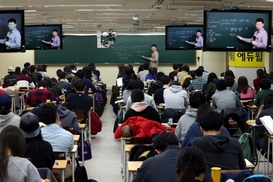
{"x":222,"y":28}
{"x":126,"y":49}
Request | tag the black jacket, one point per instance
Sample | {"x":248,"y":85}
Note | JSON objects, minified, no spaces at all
{"x":148,"y":113}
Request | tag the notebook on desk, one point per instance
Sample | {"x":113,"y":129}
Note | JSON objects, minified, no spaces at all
{"x":268,"y":123}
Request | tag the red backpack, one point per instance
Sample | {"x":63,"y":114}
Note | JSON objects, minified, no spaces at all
{"x":95,"y":123}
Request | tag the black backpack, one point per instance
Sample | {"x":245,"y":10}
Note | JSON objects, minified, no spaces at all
{"x":141,"y":152}
{"x":81,"y":174}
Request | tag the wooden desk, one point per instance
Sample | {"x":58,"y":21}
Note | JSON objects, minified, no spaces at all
{"x":82,"y":127}
{"x":249,"y":165}
{"x":132,"y":168}
{"x":76,"y":138}
{"x":249,"y":122}
{"x":30,"y":108}
{"x":123,"y":155}
{"x":251,"y":110}
{"x":60,"y":165}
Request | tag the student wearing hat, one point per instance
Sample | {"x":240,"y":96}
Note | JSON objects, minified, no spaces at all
{"x":9,"y":80}
{"x":6,"y":116}
{"x":224,"y":98}
{"x":38,"y":151}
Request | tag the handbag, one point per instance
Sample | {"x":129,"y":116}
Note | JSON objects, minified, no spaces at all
{"x":87,"y":153}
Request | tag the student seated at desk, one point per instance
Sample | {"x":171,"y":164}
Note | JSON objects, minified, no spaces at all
{"x":175,"y":97}
{"x":265,"y":90}
{"x":161,"y":167}
{"x":13,"y":166}
{"x":246,"y":92}
{"x":265,"y":110}
{"x":141,"y":108}
{"x":158,"y":95}
{"x":157,"y":84}
{"x":230,"y":83}
{"x":209,"y":88}
{"x":220,"y":150}
{"x":6,"y":116}
{"x":198,"y":83}
{"x":38,"y":151}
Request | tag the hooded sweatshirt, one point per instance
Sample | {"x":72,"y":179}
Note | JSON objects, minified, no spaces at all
{"x":142,"y":109}
{"x":185,"y":122}
{"x":175,"y":97}
{"x":68,"y":118}
{"x":9,"y":119}
{"x":221,"y":151}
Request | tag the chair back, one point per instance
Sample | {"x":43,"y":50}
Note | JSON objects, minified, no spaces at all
{"x":71,"y":129}
{"x":59,"y":155}
{"x":141,"y":140}
{"x":80,"y":115}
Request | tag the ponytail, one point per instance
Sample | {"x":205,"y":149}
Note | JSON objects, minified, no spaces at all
{"x":187,"y":175}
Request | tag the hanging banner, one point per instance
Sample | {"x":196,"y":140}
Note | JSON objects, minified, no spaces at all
{"x":246,"y":59}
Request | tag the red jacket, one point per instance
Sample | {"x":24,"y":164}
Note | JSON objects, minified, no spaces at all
{"x":141,"y":127}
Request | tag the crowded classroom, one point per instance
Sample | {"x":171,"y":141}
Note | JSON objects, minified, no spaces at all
{"x":84,"y":99}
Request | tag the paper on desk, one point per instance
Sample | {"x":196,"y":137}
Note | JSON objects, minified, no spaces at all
{"x":268,"y":123}
{"x":119,"y":101}
{"x":119,"y":82}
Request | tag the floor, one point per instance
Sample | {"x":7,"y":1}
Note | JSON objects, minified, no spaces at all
{"x":105,"y":164}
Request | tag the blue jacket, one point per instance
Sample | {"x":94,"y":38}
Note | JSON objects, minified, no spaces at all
{"x":194,"y":131}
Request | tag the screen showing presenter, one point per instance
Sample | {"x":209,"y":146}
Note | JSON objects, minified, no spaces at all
{"x":13,"y":37}
{"x":153,"y":59}
{"x":198,"y":42}
{"x":260,"y":37}
{"x":55,"y":41}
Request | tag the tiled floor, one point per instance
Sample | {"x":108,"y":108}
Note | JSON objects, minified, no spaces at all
{"x":105,"y":164}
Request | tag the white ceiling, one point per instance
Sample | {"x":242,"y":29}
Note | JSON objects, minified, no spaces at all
{"x":84,"y":16}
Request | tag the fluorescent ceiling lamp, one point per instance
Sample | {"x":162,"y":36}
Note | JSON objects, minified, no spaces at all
{"x":30,"y":10}
{"x":114,"y":9}
{"x":160,"y":27}
{"x":82,"y":5}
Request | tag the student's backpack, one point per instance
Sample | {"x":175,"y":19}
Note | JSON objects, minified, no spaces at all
{"x":246,"y":141}
{"x":81,"y":174}
{"x":95,"y":123}
{"x":257,"y":178}
{"x":99,"y":103}
{"x":141,"y":152}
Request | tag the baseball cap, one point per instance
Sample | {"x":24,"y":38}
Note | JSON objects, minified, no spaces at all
{"x":5,"y":100}
{"x":11,"y":69}
{"x":29,"y":124}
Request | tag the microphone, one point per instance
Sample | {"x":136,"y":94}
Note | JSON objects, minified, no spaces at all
{"x":195,"y":41}
{"x":7,"y":39}
{"x":254,"y":38}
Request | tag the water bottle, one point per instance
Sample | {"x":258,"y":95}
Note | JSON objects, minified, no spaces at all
{"x":170,"y":121}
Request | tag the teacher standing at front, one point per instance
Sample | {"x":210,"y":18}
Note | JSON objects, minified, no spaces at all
{"x":154,"y":57}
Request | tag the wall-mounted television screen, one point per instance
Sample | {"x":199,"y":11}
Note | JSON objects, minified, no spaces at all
{"x":43,"y":37}
{"x":12,"y":34}
{"x":184,"y":37}
{"x":237,"y":30}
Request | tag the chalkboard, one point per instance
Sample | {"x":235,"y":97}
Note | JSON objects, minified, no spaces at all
{"x":221,"y":28}
{"x":34,"y":34}
{"x":126,"y":49}
{"x":176,"y":37}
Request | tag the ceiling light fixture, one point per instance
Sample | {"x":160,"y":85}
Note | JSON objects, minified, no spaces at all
{"x":135,"y":17}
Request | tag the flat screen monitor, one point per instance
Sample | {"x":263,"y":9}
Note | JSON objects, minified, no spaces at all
{"x":237,"y":30}
{"x":43,"y":37}
{"x":184,"y":37}
{"x":12,"y":34}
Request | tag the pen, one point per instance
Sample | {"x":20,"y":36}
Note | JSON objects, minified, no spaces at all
{"x":56,"y":163}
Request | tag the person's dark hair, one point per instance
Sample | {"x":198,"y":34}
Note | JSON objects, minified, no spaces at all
{"x":54,"y":30}
{"x":61,"y":75}
{"x":259,"y":20}
{"x":137,"y":96}
{"x":154,"y":45}
{"x":197,"y":99}
{"x":159,"y":75}
{"x":72,"y":66}
{"x":130,"y":85}
{"x":146,"y":66}
{"x":180,"y":68}
{"x":87,"y":72}
{"x":221,"y":85}
{"x":67,"y":69}
{"x":201,"y":68}
{"x":198,"y":31}
{"x":165,"y":79}
{"x":203,"y":108}
{"x":11,"y":138}
{"x":12,"y":20}
{"x":140,"y":68}
{"x":58,"y":72}
{"x":32,"y":143}
{"x":175,"y":66}
{"x":129,"y":71}
{"x":271,"y":77}
{"x":44,"y":67}
{"x":40,"y":68}
{"x":192,"y":73}
{"x":25,"y":71}
{"x":138,"y":84}
{"x":152,"y":70}
{"x":186,"y":68}
{"x":211,"y":77}
{"x":211,"y":121}
{"x":49,"y":81}
{"x":242,"y":85}
{"x":229,"y":73}
{"x":260,"y":73}
{"x":92,"y":65}
{"x":32,"y":68}
{"x":73,"y":81}
{"x":79,"y":85}
{"x":198,"y":72}
{"x":190,"y":164}
{"x":27,"y":64}
{"x":42,"y":83}
{"x":47,"y":113}
{"x":80,"y":74}
{"x":265,"y":84}
{"x":67,"y":106}
{"x":176,"y":83}
{"x":229,"y":81}
{"x":268,"y":101}
{"x":164,"y":140}
{"x":17,"y":70}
